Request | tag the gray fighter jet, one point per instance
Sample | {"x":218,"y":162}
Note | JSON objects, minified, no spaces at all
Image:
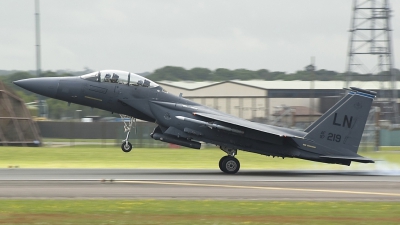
{"x":333,"y":138}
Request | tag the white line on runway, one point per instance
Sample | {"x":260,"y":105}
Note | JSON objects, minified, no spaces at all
{"x":221,"y":180}
{"x":264,"y":188}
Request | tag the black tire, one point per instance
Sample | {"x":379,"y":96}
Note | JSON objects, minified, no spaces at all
{"x":126,"y":148}
{"x":230,"y":165}
{"x":220,"y":163}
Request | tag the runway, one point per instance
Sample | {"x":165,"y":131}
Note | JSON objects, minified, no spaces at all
{"x":198,"y":184}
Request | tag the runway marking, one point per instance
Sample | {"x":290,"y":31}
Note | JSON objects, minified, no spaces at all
{"x":226,"y":180}
{"x":264,"y":188}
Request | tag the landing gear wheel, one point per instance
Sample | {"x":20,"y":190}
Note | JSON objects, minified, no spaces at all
{"x":230,"y":165}
{"x":126,"y":147}
{"x":220,"y":163}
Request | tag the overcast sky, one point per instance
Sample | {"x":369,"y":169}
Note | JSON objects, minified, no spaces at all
{"x":139,"y":36}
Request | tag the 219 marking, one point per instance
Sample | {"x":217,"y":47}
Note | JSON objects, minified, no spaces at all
{"x":334,"y":137}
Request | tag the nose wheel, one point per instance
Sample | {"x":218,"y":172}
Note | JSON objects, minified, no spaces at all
{"x":126,"y":146}
{"x":229,"y":164}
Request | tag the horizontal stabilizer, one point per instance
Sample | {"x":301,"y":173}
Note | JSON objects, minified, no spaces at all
{"x":355,"y":159}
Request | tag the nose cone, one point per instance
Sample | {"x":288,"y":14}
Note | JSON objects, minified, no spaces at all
{"x":46,"y":86}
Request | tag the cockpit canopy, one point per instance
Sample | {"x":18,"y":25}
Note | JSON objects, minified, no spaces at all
{"x":120,"y":77}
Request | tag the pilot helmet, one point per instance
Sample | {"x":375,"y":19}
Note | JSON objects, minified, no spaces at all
{"x":107,"y":78}
{"x":114,"y":78}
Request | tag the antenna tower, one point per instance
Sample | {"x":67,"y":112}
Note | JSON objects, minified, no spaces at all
{"x":370,"y":52}
{"x":41,"y":101}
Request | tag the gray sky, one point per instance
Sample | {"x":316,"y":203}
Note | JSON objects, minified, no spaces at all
{"x":139,"y":36}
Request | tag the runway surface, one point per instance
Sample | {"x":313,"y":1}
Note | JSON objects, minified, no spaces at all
{"x":199,"y":184}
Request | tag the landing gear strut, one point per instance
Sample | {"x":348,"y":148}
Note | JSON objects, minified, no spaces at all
{"x":229,"y":164}
{"x":126,"y":145}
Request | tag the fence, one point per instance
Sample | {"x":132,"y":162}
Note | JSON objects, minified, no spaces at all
{"x":389,"y":137}
{"x":98,"y":133}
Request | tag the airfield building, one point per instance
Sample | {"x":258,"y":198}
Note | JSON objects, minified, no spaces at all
{"x":16,"y":124}
{"x":266,"y":101}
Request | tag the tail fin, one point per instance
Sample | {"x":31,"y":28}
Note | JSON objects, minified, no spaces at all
{"x":327,"y":113}
{"x":341,"y":127}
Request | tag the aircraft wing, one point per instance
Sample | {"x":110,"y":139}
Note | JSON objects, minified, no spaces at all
{"x":245,"y":123}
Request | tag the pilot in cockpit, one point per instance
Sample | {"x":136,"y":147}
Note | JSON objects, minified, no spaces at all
{"x":107,"y":78}
{"x":114,"y":78}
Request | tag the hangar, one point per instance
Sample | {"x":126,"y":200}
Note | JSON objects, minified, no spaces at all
{"x":259,"y":100}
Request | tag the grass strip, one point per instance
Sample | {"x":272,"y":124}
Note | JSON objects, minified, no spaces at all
{"x":196,"y":212}
{"x":113,"y":157}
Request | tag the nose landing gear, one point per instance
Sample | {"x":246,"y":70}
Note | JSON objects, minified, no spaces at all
{"x":229,"y":164}
{"x":126,"y":145}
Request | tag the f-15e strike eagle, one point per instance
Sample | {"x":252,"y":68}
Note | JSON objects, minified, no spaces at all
{"x":333,"y":138}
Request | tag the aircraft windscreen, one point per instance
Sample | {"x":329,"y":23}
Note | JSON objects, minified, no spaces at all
{"x":91,"y":76}
{"x":120,"y":77}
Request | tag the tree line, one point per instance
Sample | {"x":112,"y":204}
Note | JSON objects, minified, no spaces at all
{"x":173,"y":73}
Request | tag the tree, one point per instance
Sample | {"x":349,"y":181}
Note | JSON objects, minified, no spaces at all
{"x":201,"y":74}
{"x":172,"y":73}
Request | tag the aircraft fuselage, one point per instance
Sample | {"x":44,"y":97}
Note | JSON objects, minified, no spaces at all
{"x":184,"y":122}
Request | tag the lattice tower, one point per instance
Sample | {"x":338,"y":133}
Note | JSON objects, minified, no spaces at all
{"x":370,"y":52}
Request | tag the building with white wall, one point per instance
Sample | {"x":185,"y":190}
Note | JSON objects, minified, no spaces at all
{"x":258,"y":99}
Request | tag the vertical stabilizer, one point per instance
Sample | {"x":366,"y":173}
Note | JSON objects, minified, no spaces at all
{"x":341,"y":127}
{"x":327,"y":113}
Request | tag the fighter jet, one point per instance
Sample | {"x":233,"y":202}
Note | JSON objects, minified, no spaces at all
{"x":333,"y":138}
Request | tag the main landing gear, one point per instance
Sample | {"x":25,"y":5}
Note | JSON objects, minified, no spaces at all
{"x":126,"y":146}
{"x":229,"y":164}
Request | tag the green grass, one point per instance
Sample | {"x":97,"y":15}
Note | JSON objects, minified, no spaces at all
{"x":389,"y":148}
{"x":113,"y":157}
{"x":195,"y":212}
{"x":100,"y":141}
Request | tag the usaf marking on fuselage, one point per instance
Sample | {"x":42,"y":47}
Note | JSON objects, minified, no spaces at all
{"x":333,"y":138}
